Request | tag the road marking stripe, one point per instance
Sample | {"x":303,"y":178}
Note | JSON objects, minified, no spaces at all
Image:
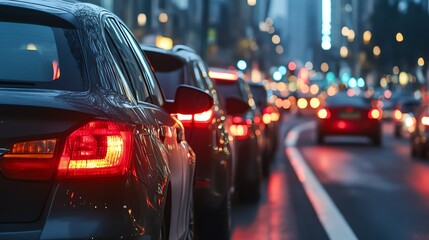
{"x":328,"y":214}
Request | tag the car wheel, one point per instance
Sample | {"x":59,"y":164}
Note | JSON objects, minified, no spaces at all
{"x":397,"y":132}
{"x":249,"y":193}
{"x":376,"y":139}
{"x":320,"y":138}
{"x":191,"y":223}
{"x":216,"y":223}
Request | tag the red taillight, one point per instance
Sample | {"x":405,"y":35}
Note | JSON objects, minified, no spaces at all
{"x":270,"y":114}
{"x":99,"y":148}
{"x":204,"y":117}
{"x":32,"y":160}
{"x":240,"y":131}
{"x":374,"y":114}
{"x":397,"y":115}
{"x":425,"y":121}
{"x":239,"y":128}
{"x":324,"y":113}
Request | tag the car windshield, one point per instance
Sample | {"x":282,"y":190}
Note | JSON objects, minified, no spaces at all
{"x":39,"y":56}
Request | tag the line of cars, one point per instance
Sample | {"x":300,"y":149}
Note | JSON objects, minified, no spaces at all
{"x":99,"y":139}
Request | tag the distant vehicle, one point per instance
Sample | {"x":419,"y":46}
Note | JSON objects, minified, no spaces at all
{"x":270,"y":118}
{"x":247,"y":129}
{"x":344,"y":115}
{"x":88,"y":148}
{"x":403,"y":115}
{"x":418,"y":138}
{"x":207,"y":133}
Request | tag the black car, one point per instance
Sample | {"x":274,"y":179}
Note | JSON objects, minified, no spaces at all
{"x":88,"y":148}
{"x":247,"y":129}
{"x":270,"y":118}
{"x":207,"y":133}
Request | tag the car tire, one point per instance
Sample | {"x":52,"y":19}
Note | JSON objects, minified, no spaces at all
{"x":191,"y":223}
{"x":250,"y":193}
{"x":377,"y":140}
{"x":215,"y":223}
{"x":397,"y":132}
{"x":320,"y":138}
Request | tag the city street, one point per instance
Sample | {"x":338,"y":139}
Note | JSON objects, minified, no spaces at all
{"x":372,"y":192}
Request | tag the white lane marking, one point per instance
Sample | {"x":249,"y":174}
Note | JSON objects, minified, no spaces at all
{"x":328,"y":214}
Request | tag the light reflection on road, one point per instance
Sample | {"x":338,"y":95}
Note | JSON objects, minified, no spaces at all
{"x":268,"y":220}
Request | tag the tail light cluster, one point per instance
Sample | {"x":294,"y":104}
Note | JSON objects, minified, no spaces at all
{"x":99,"y":148}
{"x":270,"y":114}
{"x":240,"y":128}
{"x":397,"y":115}
{"x":324,"y":113}
{"x":425,"y":121}
{"x":374,"y":113}
{"x":200,"y":119}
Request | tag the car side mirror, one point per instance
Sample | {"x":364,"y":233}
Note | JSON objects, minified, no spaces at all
{"x":189,"y":100}
{"x":236,"y":106}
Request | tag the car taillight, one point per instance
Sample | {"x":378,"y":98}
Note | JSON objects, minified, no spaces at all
{"x":425,"y":121}
{"x":204,"y":117}
{"x":374,"y":114}
{"x":270,"y":114}
{"x":324,"y":113}
{"x":99,"y":148}
{"x":397,"y":115}
{"x":239,"y":128}
{"x":32,"y":160}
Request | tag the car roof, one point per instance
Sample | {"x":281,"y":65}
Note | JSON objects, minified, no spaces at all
{"x":67,"y":10}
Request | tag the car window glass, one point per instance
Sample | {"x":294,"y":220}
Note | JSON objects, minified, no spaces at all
{"x":40,"y":56}
{"x":156,"y":92}
{"x":132,"y":67}
{"x":170,"y":80}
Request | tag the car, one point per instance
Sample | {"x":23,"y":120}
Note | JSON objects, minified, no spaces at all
{"x":403,"y":115}
{"x":88,"y":146}
{"x":247,"y":129}
{"x":352,"y":116}
{"x":207,"y":133}
{"x":270,"y":118}
{"x":418,"y":137}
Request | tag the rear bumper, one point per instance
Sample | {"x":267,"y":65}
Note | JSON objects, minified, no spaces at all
{"x":344,"y":127}
{"x":249,"y":165}
{"x":107,"y":208}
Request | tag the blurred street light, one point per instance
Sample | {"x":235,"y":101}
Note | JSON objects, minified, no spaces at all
{"x":345,"y":31}
{"x":399,"y":37}
{"x":376,"y":50}
{"x":344,"y":51}
{"x":421,"y":62}
{"x":163,"y":17}
{"x":141,"y":19}
{"x":242,"y":65}
{"x":275,"y":39}
{"x":351,"y":35}
{"x":367,"y":35}
{"x":164,"y":42}
{"x":395,"y":70}
{"x":251,"y":3}
{"x":324,"y":67}
{"x":279,"y":49}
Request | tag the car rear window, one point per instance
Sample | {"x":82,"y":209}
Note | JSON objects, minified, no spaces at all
{"x":339,"y":101}
{"x":226,"y":89}
{"x":39,"y":56}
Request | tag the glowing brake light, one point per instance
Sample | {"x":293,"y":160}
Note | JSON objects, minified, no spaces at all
{"x":99,"y":148}
{"x":324,"y":113}
{"x":204,"y":117}
{"x":32,"y":160}
{"x":223,"y":75}
{"x":239,"y":128}
{"x":374,"y":114}
{"x":425,"y":121}
{"x":397,"y":115}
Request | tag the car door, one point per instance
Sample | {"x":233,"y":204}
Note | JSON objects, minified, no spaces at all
{"x":147,"y":128}
{"x":171,"y":140}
